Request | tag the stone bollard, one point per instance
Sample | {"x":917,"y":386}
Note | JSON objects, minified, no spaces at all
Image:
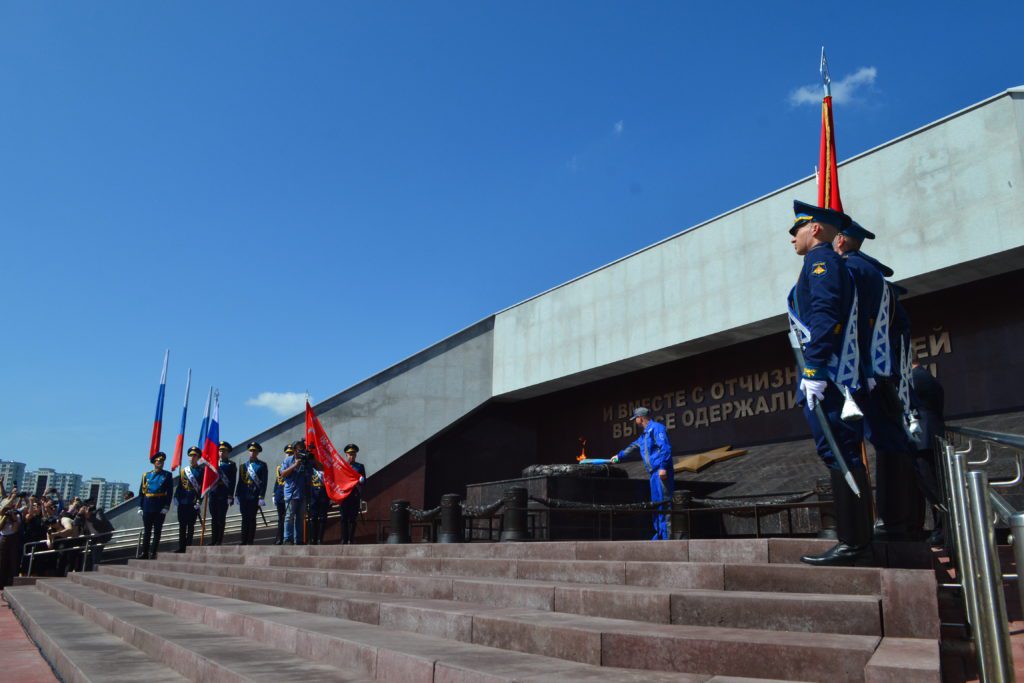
{"x":451,"y":519}
{"x":681,"y":499}
{"x":399,"y":522}
{"x":513,"y":526}
{"x":826,"y":513}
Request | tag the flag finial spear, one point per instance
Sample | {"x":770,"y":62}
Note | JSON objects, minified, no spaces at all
{"x":826,"y":81}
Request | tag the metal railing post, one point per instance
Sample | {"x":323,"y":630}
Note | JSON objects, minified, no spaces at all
{"x":959,"y":523}
{"x":1017,"y":529}
{"x":991,"y":630}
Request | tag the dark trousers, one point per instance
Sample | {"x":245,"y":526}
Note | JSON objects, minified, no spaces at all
{"x":10,"y":547}
{"x":218,"y":513}
{"x":848,"y":435}
{"x":281,"y":511}
{"x":248,"y":508}
{"x":349,"y":515}
{"x":152,"y":526}
{"x":186,"y":526}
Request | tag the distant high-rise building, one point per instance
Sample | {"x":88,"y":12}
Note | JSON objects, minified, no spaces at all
{"x":11,"y":473}
{"x":46,"y":478}
{"x":107,"y":494}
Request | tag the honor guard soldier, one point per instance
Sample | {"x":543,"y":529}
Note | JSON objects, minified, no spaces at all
{"x":187,"y":494}
{"x":319,"y":503}
{"x":350,"y":505}
{"x":222,"y":494}
{"x":279,"y":498}
{"x":820,"y":306}
{"x":656,"y":453}
{"x":880,"y":321}
{"x":251,"y":490}
{"x":154,"y":501}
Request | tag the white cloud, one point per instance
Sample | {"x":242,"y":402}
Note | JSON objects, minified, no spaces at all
{"x":619,"y":127}
{"x":285,"y":403}
{"x":843,"y":91}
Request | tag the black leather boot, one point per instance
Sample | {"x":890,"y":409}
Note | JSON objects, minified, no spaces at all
{"x":853,"y":524}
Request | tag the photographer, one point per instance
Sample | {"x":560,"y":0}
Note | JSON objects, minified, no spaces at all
{"x":296,"y":470}
{"x":10,"y":542}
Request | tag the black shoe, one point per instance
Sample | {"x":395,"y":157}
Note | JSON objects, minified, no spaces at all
{"x":840,"y":555}
{"x":179,"y":551}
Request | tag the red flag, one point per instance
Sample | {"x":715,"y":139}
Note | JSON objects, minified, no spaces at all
{"x":828,"y":175}
{"x":339,"y":477}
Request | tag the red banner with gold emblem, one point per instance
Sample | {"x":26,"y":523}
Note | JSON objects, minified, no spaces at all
{"x":339,"y":477}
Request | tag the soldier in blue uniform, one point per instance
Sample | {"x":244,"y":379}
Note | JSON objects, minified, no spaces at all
{"x":656,"y":452}
{"x":350,"y":506}
{"x":221,"y":495}
{"x":820,"y":306}
{"x":154,"y":501}
{"x":319,"y":503}
{"x":279,"y":502}
{"x":250,"y":492}
{"x":187,"y":494}
{"x":882,"y":325}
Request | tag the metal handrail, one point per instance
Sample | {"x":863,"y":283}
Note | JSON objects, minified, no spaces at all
{"x":973,"y":505}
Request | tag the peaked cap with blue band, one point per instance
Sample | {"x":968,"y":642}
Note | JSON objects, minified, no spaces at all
{"x":806,"y":213}
{"x":857,"y":231}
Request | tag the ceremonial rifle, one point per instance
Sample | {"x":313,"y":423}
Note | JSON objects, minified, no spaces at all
{"x":801,"y":364}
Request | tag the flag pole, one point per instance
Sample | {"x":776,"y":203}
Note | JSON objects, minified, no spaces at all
{"x":202,"y":522}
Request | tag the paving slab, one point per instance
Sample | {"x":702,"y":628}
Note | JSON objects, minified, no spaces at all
{"x":904,"y":660}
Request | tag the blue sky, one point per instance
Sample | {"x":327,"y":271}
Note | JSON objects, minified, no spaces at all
{"x":294,"y":196}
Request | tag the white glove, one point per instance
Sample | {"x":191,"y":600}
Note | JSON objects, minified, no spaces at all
{"x":872,"y":383}
{"x":813,"y":390}
{"x":262,"y":503}
{"x":362,"y":479}
{"x":231,"y":501}
{"x":164,"y":511}
{"x":614,"y":458}
{"x":140,"y":511}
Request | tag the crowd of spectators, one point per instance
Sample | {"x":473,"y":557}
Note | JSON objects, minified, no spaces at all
{"x":47,"y":523}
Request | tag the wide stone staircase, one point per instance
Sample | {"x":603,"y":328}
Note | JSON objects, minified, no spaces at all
{"x":699,"y":610}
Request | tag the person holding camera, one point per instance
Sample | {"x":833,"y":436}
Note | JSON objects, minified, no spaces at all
{"x":10,"y":541}
{"x":297,"y":470}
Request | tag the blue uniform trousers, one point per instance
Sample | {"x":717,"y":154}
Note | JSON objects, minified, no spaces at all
{"x":848,"y":435}
{"x":661,"y":490}
{"x":282,"y":511}
{"x":186,"y":525}
{"x":218,"y":513}
{"x":249,"y":507}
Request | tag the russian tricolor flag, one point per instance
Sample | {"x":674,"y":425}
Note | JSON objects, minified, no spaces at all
{"x":210,"y":473}
{"x":179,"y":445}
{"x":154,"y":444}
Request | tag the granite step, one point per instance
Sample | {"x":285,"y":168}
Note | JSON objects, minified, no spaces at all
{"x":622,"y":643}
{"x":661,"y":574}
{"x":196,"y":651}
{"x":655,"y":590}
{"x":855,"y":615}
{"x":378,"y":652}
{"x":79,"y":650}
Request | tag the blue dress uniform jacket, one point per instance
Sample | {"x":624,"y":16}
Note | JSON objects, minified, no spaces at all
{"x":656,"y":453}
{"x":822,"y":300}
{"x":155,"y":491}
{"x":225,"y":486}
{"x":278,"y":487}
{"x":248,"y":489}
{"x":885,"y":432}
{"x":186,"y":493}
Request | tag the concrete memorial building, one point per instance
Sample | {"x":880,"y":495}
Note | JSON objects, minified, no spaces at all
{"x":694,"y":328}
